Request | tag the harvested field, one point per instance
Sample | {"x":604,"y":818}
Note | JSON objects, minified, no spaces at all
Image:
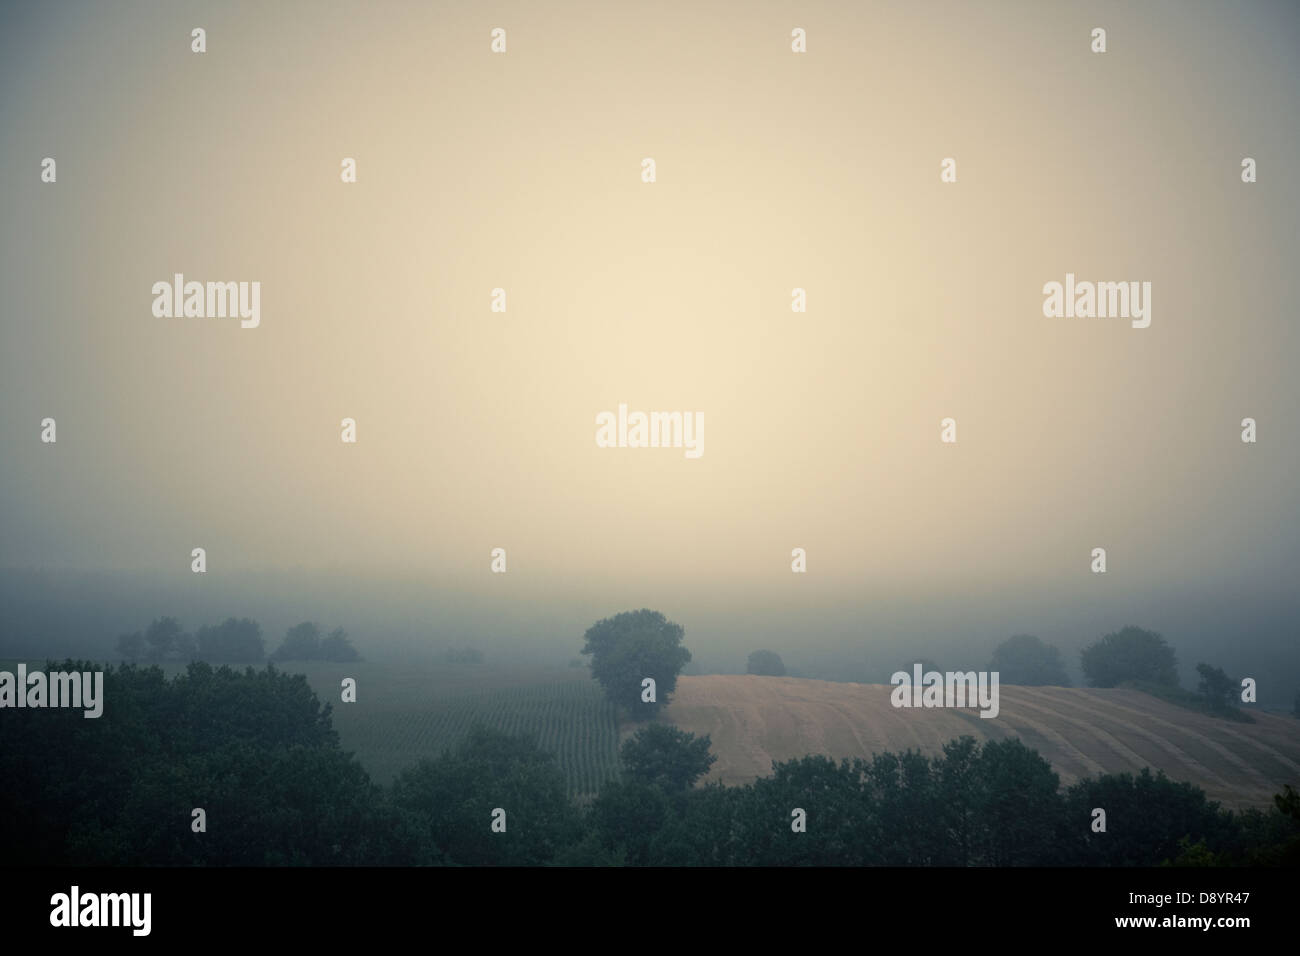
{"x":756,"y":720}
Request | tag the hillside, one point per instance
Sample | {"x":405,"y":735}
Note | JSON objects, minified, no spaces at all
{"x":756,"y":720}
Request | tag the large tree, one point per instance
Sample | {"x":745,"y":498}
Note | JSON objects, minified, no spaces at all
{"x":1024,"y":659}
{"x":628,"y":648}
{"x":1130,"y":654}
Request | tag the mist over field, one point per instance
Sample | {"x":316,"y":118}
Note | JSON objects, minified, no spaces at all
{"x":59,"y":613}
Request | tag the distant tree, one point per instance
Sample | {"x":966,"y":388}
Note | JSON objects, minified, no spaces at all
{"x":666,"y":757}
{"x":131,"y":646}
{"x":337,"y":648}
{"x":1026,"y":660}
{"x":185,"y":647}
{"x":766,"y":663}
{"x":629,"y":647}
{"x":233,"y":640}
{"x":301,"y":643}
{"x":1130,"y":654}
{"x":161,"y":637}
{"x":1217,"y":689}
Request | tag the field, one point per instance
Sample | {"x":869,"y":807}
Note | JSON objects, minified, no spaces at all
{"x":755,"y":720}
{"x":404,"y":713}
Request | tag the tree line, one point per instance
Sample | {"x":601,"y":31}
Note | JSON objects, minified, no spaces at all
{"x":1130,"y":657}
{"x":233,"y":641}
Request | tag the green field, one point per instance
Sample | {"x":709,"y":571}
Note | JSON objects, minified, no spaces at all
{"x":406,"y":712}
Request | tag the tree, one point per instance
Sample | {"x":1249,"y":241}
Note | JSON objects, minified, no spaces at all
{"x":254,"y":749}
{"x":1130,"y":654}
{"x":337,"y":648}
{"x":666,"y":757}
{"x":454,"y":799}
{"x":1218,"y":689}
{"x":1024,"y":659}
{"x":837,"y":826}
{"x":301,"y":643}
{"x":233,"y":640}
{"x":703,"y":832}
{"x":903,"y":792}
{"x":767,"y":663}
{"x":629,"y":647}
{"x":131,"y":646}
{"x":1146,"y":817}
{"x":961,"y":790}
{"x":626,"y":816}
{"x":161,"y":637}
{"x":1019,"y":806}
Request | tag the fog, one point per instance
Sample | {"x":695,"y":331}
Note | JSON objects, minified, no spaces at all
{"x":477,"y":429}
{"x":58,"y":614}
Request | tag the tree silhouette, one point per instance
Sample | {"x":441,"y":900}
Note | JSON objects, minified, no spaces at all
{"x":628,"y":648}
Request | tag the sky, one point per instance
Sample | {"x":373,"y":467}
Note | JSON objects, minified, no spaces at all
{"x":774,"y":171}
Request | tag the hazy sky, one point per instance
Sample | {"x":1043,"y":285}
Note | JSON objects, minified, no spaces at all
{"x":775,"y":170}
